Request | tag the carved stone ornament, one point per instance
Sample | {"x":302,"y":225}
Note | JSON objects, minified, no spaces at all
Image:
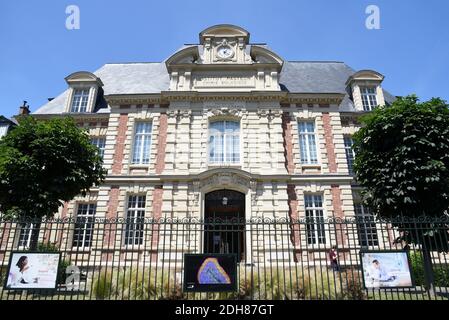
{"x":196,"y":191}
{"x":224,"y":111}
{"x":178,"y":114}
{"x":225,"y":179}
{"x":253,"y":186}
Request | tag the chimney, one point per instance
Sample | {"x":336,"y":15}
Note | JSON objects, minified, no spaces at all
{"x":24,"y":110}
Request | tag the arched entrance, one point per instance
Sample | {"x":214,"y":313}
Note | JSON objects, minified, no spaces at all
{"x":224,"y":229}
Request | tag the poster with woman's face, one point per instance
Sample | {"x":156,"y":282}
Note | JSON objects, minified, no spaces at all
{"x":32,"y":270}
{"x":386,"y":269}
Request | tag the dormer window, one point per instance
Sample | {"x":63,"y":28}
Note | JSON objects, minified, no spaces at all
{"x":365,"y":89}
{"x":80,"y":100}
{"x":84,"y":89}
{"x":369,"y":98}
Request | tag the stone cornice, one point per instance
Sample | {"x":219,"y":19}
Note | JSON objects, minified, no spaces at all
{"x":196,"y":96}
{"x":75,"y":116}
{"x":126,"y":179}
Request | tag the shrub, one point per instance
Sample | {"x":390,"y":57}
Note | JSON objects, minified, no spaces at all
{"x":353,"y":289}
{"x":3,"y":275}
{"x":103,"y":287}
{"x":417,"y":266}
{"x":440,"y":272}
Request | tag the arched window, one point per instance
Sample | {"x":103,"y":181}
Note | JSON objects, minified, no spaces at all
{"x":224,"y":142}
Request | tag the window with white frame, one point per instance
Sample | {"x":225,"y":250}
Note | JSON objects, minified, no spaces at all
{"x":28,"y":236}
{"x":80,"y":100}
{"x":224,"y":142}
{"x":100,"y":143}
{"x":135,"y":214}
{"x":142,"y":143}
{"x":307,"y":142}
{"x":350,"y":154}
{"x":3,"y":129}
{"x":369,"y":98}
{"x":84,"y":225}
{"x":315,"y":227}
{"x":366,"y":226}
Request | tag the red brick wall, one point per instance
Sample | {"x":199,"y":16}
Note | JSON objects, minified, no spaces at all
{"x":161,"y":143}
{"x":110,"y":229}
{"x":5,"y":237}
{"x":117,"y":163}
{"x":329,"y":139}
{"x":157,"y":213}
{"x":288,"y":142}
{"x":293,"y":212}
{"x":336,"y":201}
{"x":338,"y":213}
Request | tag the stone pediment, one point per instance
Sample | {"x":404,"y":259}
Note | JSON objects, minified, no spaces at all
{"x":83,"y":77}
{"x":224,"y":61}
{"x":225,"y":31}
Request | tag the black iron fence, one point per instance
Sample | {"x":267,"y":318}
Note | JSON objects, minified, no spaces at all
{"x":308,"y":258}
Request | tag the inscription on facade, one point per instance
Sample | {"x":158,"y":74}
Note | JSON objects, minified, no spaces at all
{"x":231,"y":81}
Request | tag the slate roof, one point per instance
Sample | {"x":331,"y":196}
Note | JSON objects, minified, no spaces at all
{"x":147,"y":78}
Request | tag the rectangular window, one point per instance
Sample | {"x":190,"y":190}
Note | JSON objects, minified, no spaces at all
{"x":29,"y":235}
{"x":80,"y":99}
{"x":3,"y":130}
{"x":315,"y":226}
{"x":369,"y":98}
{"x":224,"y":142}
{"x":366,"y":226}
{"x":307,"y":142}
{"x":100,"y":143}
{"x":135,"y":214}
{"x":84,"y":225}
{"x":142,"y":143}
{"x":350,"y":154}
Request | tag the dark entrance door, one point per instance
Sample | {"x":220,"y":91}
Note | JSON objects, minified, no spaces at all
{"x":224,"y":230}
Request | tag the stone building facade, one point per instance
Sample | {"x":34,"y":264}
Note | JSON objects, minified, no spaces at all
{"x":222,"y":119}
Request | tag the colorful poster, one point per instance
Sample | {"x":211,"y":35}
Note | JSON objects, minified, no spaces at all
{"x":210,"y":272}
{"x":32,"y":270}
{"x":386,"y":269}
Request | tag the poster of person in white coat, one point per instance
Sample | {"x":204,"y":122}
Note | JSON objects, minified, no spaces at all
{"x":32,"y":270}
{"x":386,"y":269}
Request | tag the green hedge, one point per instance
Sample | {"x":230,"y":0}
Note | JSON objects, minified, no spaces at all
{"x":441,"y":272}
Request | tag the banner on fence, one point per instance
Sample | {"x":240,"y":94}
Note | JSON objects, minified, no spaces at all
{"x":386,"y":269}
{"x":32,"y":270}
{"x":210,"y":272}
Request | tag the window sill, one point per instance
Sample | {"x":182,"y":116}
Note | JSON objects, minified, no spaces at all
{"x":80,"y":250}
{"x":135,"y":247}
{"x":224,"y":165}
{"x":139,"y":166}
{"x":311,"y":166}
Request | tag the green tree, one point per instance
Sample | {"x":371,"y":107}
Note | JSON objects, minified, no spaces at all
{"x":43,"y":164}
{"x":402,"y":161}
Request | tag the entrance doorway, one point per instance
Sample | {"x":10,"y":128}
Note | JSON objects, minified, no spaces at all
{"x":224,"y":229}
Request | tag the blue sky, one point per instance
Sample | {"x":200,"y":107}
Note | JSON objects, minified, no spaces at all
{"x":36,"y":50}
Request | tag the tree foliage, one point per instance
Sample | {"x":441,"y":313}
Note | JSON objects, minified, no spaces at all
{"x":43,"y":163}
{"x":402,"y":160}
